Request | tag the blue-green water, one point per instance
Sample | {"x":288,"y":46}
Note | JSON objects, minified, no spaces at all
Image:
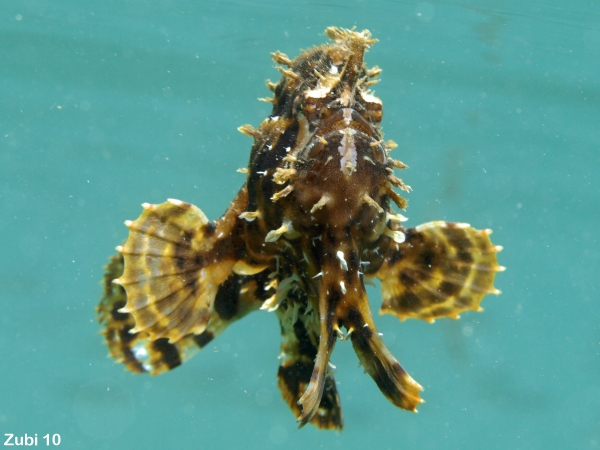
{"x":108,"y":104}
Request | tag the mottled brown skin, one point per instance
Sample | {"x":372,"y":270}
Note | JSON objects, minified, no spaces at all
{"x":314,"y":218}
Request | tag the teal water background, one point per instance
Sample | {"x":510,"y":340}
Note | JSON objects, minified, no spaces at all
{"x":496,"y":109}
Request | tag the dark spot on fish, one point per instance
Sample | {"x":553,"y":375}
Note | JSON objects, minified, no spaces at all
{"x":209,"y":229}
{"x":427,"y":258}
{"x":305,"y":345}
{"x":407,"y":280}
{"x":227,"y":298}
{"x":203,"y":338}
{"x":169,"y":352}
{"x":356,"y":321}
{"x":296,"y":375}
{"x":353,"y":259}
{"x":409,"y":301}
{"x":441,"y":312}
{"x":118,"y":315}
{"x":457,"y":237}
{"x":465,"y":257}
{"x":450,"y":289}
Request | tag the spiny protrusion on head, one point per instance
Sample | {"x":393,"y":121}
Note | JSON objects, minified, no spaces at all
{"x":283,"y":193}
{"x":265,"y":99}
{"x":249,"y":215}
{"x":343,"y":36}
{"x":396,"y":198}
{"x":374,"y":72}
{"x":242,"y":170}
{"x":398,"y":164}
{"x":322,"y":202}
{"x":390,"y":145}
{"x":324,"y":84}
{"x":282,"y":175}
{"x":274,"y":235}
{"x":398,"y":218}
{"x":281,"y":58}
{"x":248,"y":130}
{"x":371,"y":82}
{"x":397,"y":236}
{"x":271,"y":86}
{"x":369,"y":201}
{"x":397,"y":182}
{"x":289,"y":73}
{"x":366,"y":158}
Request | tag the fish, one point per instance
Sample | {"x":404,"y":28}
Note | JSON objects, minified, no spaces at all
{"x":316,"y":219}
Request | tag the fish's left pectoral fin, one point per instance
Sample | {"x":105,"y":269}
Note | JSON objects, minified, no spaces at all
{"x":441,"y":270}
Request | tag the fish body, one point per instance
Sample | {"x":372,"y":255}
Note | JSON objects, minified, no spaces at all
{"x":315,"y":219}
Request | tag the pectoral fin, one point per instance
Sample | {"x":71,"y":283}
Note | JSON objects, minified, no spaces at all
{"x":441,"y":270}
{"x":236,"y":297}
{"x":175,"y":261}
